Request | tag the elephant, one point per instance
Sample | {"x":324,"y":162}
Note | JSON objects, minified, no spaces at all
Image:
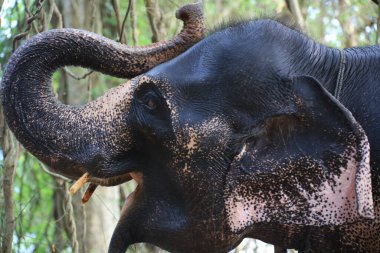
{"x":255,"y":130}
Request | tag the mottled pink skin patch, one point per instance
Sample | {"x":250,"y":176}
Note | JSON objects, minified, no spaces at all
{"x":363,"y":235}
{"x":335,"y":203}
{"x":363,"y":181}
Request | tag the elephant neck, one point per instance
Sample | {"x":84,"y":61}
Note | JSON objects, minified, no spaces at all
{"x":325,"y":63}
{"x":321,"y":62}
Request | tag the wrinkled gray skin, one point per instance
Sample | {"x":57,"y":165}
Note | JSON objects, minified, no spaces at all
{"x":237,"y":137}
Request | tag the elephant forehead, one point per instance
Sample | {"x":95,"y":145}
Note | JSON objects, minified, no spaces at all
{"x":189,"y":130}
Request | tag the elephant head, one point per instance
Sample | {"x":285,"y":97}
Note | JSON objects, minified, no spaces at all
{"x":219,"y":139}
{"x":73,"y":140}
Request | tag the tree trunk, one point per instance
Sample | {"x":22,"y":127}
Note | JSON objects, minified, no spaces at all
{"x":322,"y":30}
{"x":295,"y":9}
{"x":133,"y":22}
{"x":155,"y":19}
{"x":348,"y":27}
{"x":10,"y":153}
{"x":1,"y":7}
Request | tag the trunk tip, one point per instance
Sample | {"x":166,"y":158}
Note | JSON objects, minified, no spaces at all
{"x":190,"y":12}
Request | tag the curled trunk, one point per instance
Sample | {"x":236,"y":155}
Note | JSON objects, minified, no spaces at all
{"x":76,"y":139}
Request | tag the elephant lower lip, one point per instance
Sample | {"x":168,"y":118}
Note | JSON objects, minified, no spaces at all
{"x":111,"y":181}
{"x":131,"y":197}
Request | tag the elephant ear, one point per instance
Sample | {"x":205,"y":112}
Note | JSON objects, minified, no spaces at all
{"x":309,"y":166}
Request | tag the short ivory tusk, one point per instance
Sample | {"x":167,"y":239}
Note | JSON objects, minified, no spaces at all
{"x":79,"y":183}
{"x":90,"y":190}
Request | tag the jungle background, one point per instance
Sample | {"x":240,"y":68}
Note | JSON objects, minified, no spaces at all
{"x":37,"y":214}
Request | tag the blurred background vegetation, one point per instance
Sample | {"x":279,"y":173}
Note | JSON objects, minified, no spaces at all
{"x":36,"y":212}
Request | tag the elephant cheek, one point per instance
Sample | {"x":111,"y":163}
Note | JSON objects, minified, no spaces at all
{"x":241,"y":213}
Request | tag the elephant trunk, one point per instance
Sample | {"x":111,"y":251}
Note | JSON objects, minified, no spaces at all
{"x":77,"y":139}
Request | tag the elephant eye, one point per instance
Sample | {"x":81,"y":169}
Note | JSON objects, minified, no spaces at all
{"x":151,"y":104}
{"x":150,"y":101}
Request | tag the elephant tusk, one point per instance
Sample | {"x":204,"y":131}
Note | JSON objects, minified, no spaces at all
{"x":79,"y":183}
{"x":90,"y":190}
{"x":95,"y":182}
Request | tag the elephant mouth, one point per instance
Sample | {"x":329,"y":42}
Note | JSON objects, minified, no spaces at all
{"x":94,"y":182}
{"x":137,"y":177}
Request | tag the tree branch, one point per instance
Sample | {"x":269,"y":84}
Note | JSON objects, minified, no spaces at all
{"x":124,"y":21}
{"x":53,"y":10}
{"x":69,"y":210}
{"x":77,"y":77}
{"x":1,"y":7}
{"x":10,"y":151}
{"x":378,"y":25}
{"x":116,"y":9}
{"x":150,"y":9}
{"x":29,"y":23}
{"x":294,"y":7}
{"x":133,"y":22}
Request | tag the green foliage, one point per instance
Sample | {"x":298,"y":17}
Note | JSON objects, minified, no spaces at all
{"x":33,"y":208}
{"x":334,"y":24}
{"x":11,"y":20}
